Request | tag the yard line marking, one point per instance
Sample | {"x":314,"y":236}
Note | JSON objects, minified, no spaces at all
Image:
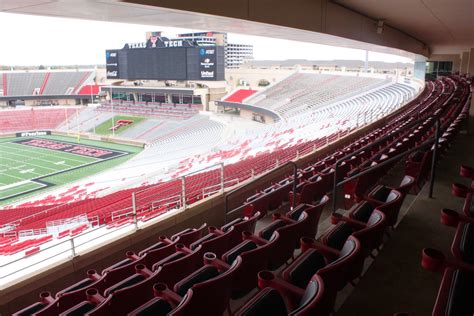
{"x":27,"y":170}
{"x":32,"y":164}
{"x":38,"y":157}
{"x":11,"y":176}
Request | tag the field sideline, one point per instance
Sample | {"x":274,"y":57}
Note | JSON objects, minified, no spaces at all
{"x":32,"y":164}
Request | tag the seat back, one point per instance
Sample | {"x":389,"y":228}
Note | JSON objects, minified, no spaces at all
{"x":313,"y":301}
{"x":190,"y":235}
{"x":217,"y":244}
{"x":171,"y":272}
{"x":153,"y":255}
{"x":80,"y":309}
{"x":290,"y":235}
{"x":254,"y":259}
{"x":345,"y":268}
{"x":72,"y":295}
{"x":314,"y":214}
{"x":266,"y":302}
{"x":244,"y":224}
{"x":405,"y":185}
{"x":362,"y":211}
{"x":392,"y":207}
{"x":211,"y":297}
{"x":154,"y":307}
{"x":336,"y":236}
{"x":31,"y":309}
{"x":371,"y":237}
{"x":300,"y":271}
{"x":455,"y":294}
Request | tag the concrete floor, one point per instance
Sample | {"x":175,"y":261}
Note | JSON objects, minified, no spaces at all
{"x":395,"y":281}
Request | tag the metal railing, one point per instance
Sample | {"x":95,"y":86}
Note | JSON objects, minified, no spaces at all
{"x":244,"y":187}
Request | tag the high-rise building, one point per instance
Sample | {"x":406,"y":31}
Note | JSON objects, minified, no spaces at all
{"x":235,"y":54}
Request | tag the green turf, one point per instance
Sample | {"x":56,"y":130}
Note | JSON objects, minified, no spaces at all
{"x":21,"y":163}
{"x":104,"y":128}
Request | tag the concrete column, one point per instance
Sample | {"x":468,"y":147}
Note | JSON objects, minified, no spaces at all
{"x":464,"y":62}
{"x":470,"y":69}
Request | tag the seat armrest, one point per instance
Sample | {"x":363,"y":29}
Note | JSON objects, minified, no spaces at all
{"x":286,"y":219}
{"x":452,"y":218}
{"x":160,"y":290}
{"x":336,"y":218}
{"x":256,"y":239}
{"x":308,"y":243}
{"x":292,"y":292}
{"x":435,"y":261}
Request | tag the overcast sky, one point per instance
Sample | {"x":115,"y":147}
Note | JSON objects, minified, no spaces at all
{"x":36,"y":40}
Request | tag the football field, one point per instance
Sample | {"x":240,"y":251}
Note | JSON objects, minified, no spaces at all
{"x":31,"y":164}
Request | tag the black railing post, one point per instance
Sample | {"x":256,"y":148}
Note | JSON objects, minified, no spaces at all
{"x":334,"y":187}
{"x":433,"y":159}
{"x":295,"y":179}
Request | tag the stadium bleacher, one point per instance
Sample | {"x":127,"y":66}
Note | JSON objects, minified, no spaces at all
{"x":209,"y":264}
{"x":239,"y":95}
{"x":301,"y":92}
{"x":34,"y":118}
{"x":44,"y":83}
{"x":150,"y":109}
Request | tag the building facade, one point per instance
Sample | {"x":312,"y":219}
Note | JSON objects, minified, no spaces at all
{"x":235,"y":54}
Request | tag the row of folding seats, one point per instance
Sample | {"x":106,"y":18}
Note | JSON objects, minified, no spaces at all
{"x":366,"y":224}
{"x":457,"y":284}
{"x":169,"y":260}
{"x":317,"y":179}
{"x":379,"y":210}
{"x":309,"y":284}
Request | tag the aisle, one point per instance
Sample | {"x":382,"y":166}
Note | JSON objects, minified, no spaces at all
{"x":395,"y":282}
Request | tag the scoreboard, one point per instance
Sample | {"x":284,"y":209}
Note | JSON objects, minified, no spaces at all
{"x":170,"y":62}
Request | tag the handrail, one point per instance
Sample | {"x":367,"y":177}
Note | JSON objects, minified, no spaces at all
{"x":386,"y":162}
{"x":410,"y":125}
{"x":285,"y":165}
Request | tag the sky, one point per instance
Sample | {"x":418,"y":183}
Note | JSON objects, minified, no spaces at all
{"x":36,"y":40}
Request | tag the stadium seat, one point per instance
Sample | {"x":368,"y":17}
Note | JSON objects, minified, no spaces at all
{"x":271,"y":299}
{"x":390,"y":208}
{"x":254,"y":258}
{"x":379,"y":194}
{"x":190,"y":235}
{"x":456,"y":285}
{"x":314,"y":214}
{"x":462,"y":247}
{"x":289,"y":233}
{"x":335,"y":267}
{"x":208,"y":289}
{"x":370,"y":234}
{"x":216,"y":241}
{"x":137,"y":289}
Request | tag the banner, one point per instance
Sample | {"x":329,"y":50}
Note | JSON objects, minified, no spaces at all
{"x":33,"y":133}
{"x":112,"y":64}
{"x":207,"y":63}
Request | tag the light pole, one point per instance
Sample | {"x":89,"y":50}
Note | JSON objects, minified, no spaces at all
{"x":113,"y":116}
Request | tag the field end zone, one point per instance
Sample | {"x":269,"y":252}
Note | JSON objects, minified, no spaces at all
{"x":26,"y":162}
